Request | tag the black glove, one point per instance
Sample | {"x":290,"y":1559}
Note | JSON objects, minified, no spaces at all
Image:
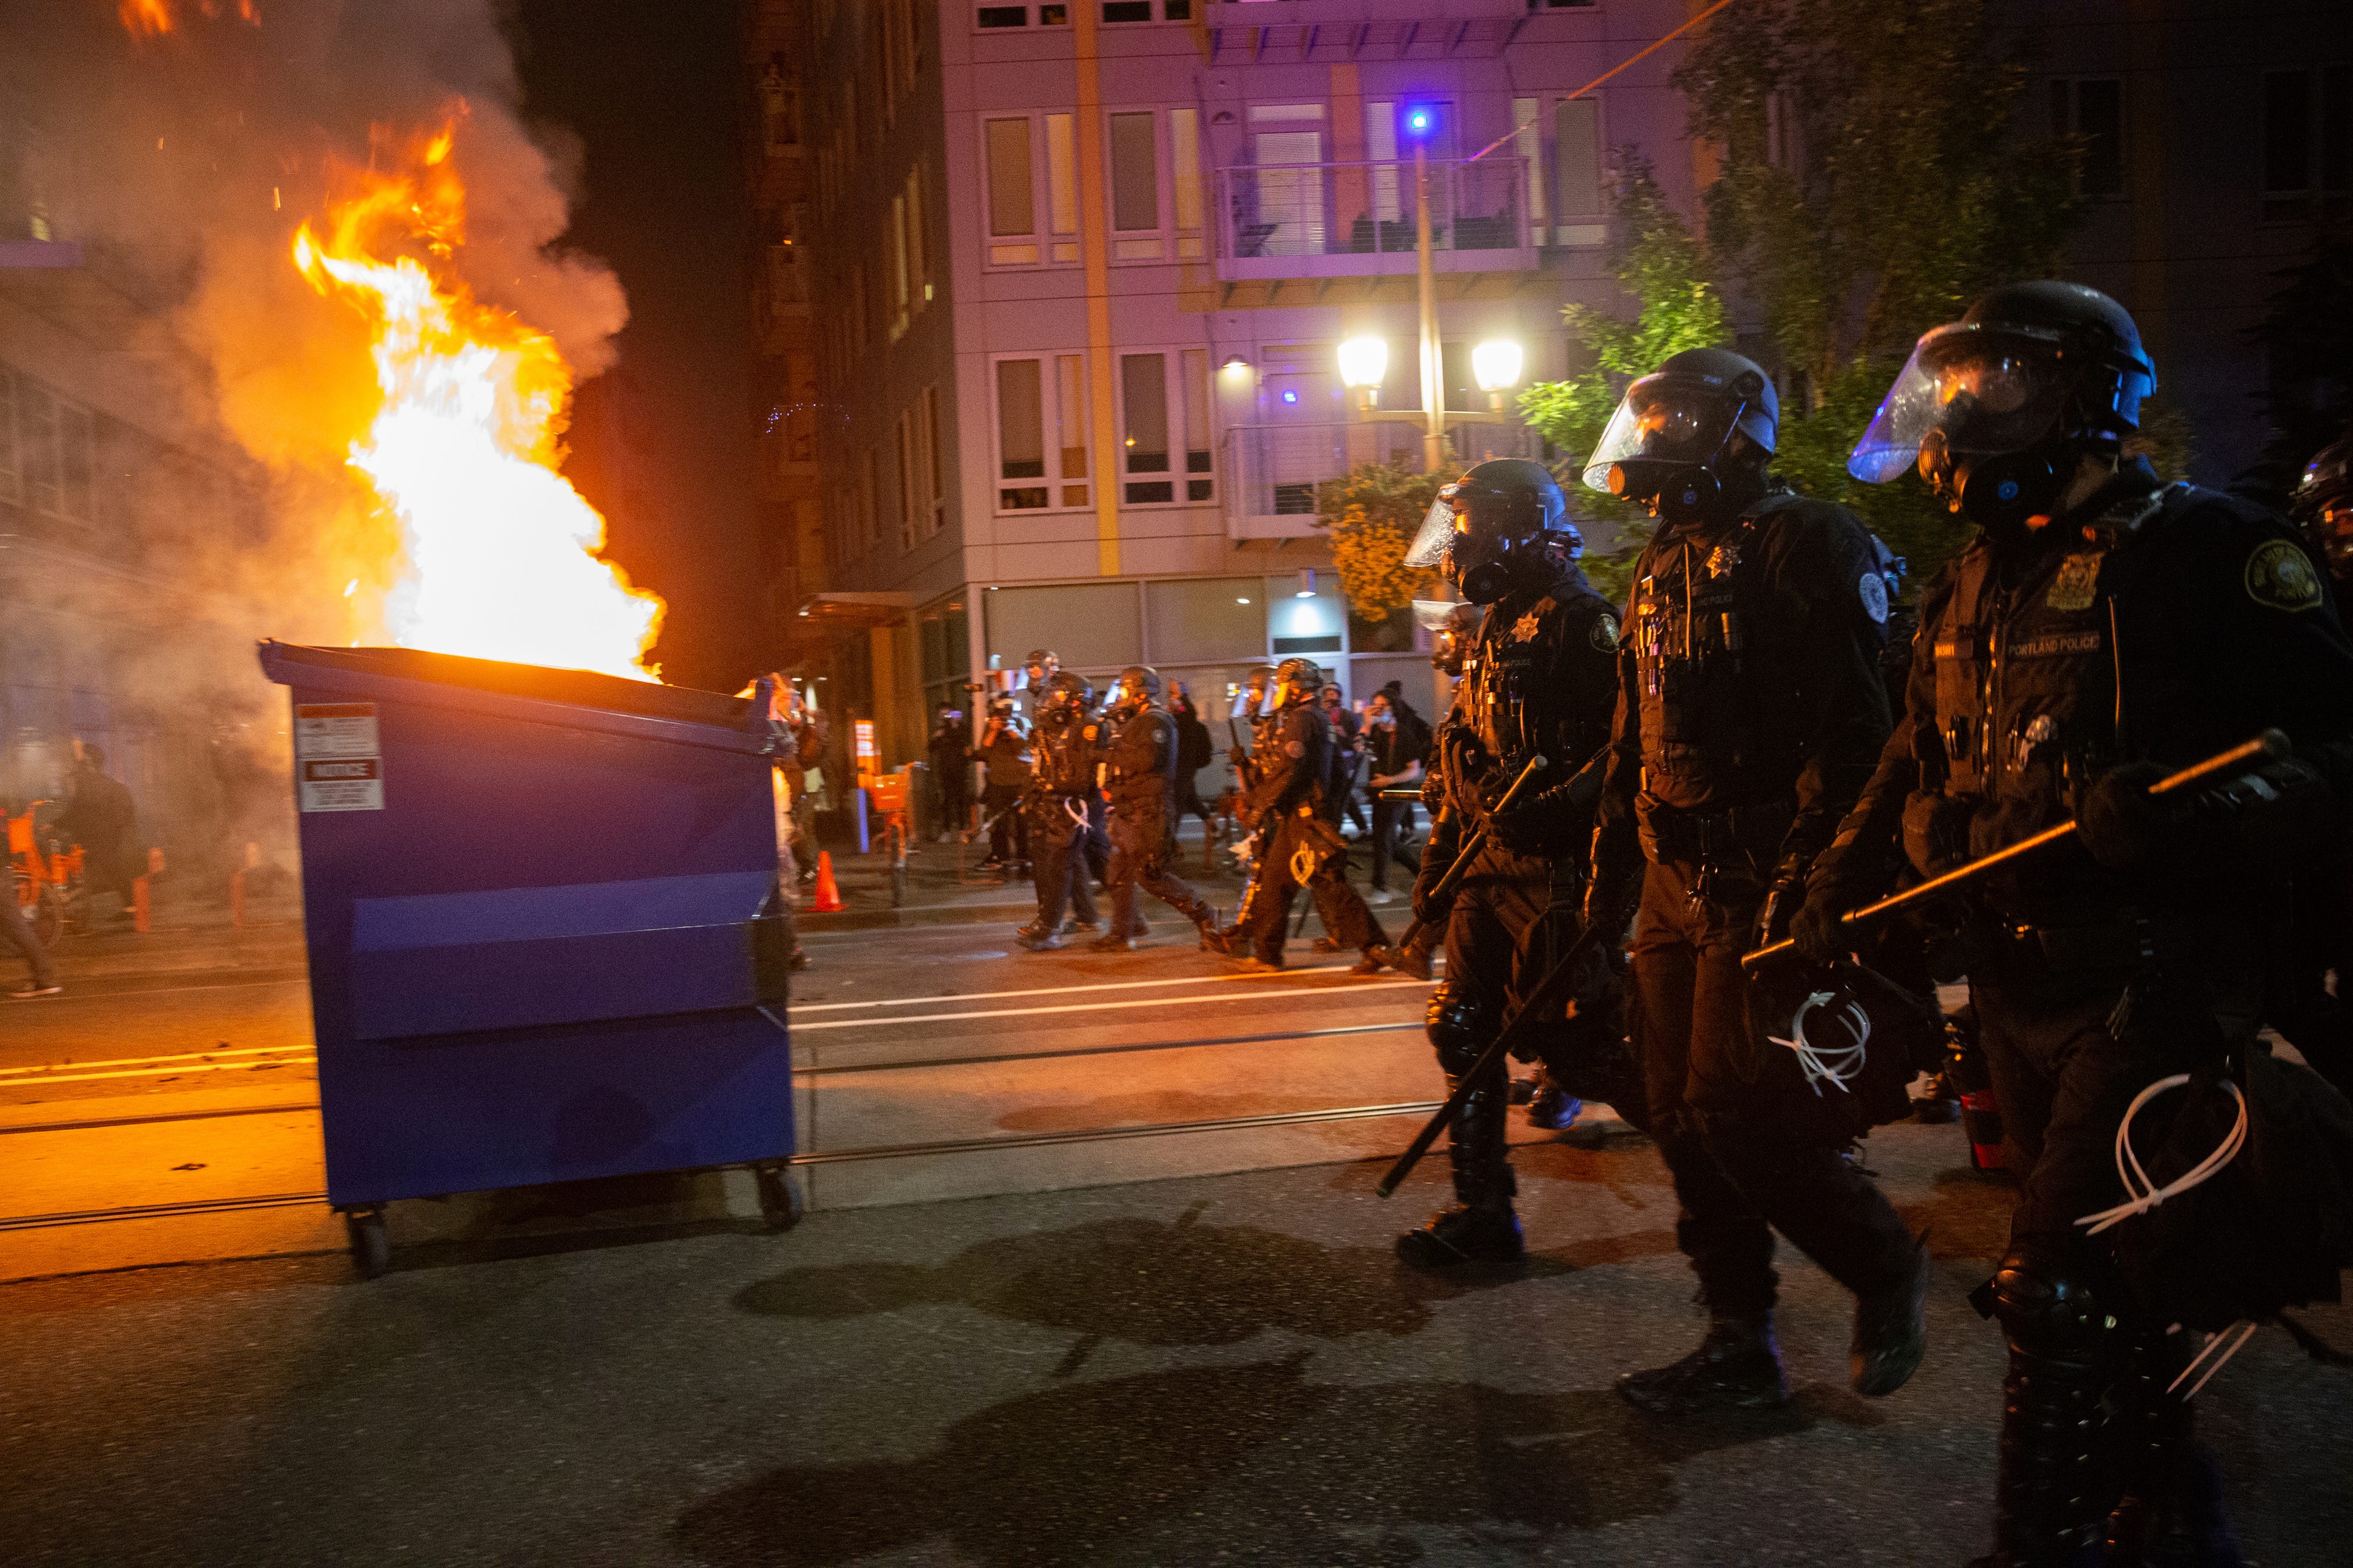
{"x":1937,"y":832}
{"x":2121,"y":823}
{"x":1820,"y":932}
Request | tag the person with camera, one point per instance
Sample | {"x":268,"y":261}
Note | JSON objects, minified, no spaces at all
{"x":1003,"y":752}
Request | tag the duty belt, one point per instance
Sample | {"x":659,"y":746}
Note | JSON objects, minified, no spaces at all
{"x":1711,"y":837}
{"x":2119,"y":943}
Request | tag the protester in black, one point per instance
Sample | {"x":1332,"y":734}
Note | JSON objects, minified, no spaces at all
{"x":1194,"y":750}
{"x":951,"y":750}
{"x":1397,"y":744}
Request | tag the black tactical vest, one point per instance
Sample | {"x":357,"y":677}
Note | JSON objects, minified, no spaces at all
{"x":1696,"y":614}
{"x":2026,"y":671}
{"x":1507,"y":698}
{"x":1064,"y":746}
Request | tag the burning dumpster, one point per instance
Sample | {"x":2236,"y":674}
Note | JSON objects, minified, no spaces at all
{"x":545,"y":937}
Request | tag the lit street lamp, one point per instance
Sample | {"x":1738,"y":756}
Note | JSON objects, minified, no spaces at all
{"x":1497,"y":364}
{"x":1364,"y":362}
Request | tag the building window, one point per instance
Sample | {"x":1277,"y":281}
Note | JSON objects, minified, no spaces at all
{"x":897,"y":250}
{"x":2305,"y":115}
{"x":1200,"y":433}
{"x":935,"y":466}
{"x":1528,"y":140}
{"x":1135,"y":188}
{"x":906,"y":451}
{"x":1184,"y":147}
{"x":1020,"y":434}
{"x":1062,"y":186}
{"x":2091,"y":109}
{"x":869,"y":524}
{"x":12,"y":472}
{"x":56,"y":449}
{"x":1012,"y":209}
{"x":1577,"y":149}
{"x":1144,"y":419}
{"x":1073,"y":414}
{"x":919,"y":271}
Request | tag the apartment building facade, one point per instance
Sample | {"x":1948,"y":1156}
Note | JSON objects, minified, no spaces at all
{"x":1078,"y":274}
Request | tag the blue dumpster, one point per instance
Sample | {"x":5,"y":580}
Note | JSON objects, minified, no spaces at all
{"x":546,"y":936}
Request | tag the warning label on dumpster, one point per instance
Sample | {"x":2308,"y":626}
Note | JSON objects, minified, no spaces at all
{"x":339,"y":762}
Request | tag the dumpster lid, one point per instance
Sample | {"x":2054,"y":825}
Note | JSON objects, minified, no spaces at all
{"x":558,"y":696}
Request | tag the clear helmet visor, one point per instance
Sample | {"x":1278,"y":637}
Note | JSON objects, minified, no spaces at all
{"x":1434,"y":615}
{"x":1429,"y":547}
{"x":1980,"y":394}
{"x":1663,"y":419}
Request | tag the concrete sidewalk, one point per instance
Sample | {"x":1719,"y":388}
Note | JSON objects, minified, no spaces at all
{"x":1217,"y":1369}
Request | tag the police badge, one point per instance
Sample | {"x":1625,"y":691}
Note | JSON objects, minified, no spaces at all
{"x":2078,"y":583}
{"x":1524,"y":629}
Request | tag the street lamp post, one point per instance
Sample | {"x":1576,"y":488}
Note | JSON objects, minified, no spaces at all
{"x":1433,"y":394}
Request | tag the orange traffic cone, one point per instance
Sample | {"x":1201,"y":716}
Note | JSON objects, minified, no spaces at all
{"x":828,"y":897}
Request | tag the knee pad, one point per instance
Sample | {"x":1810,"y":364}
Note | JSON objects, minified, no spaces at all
{"x":1458,"y":1024}
{"x":2052,"y":1308}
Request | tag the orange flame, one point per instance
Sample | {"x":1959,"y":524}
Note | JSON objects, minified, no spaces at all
{"x":147,"y":18}
{"x":501,"y":550}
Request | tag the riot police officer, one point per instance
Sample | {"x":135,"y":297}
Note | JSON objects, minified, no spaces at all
{"x":1750,"y":712}
{"x":1253,"y":711}
{"x":1140,"y":747}
{"x":1061,"y":806}
{"x":1538,"y":679}
{"x":1297,"y":848}
{"x":2101,"y":630}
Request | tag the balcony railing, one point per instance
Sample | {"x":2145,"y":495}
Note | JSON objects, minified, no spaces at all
{"x":1271,"y":470}
{"x":1339,"y":220}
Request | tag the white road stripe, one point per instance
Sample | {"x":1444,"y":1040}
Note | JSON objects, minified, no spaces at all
{"x":158,"y":1072}
{"x":1059,"y":990}
{"x":1257,"y":995}
{"x":8,"y":1073}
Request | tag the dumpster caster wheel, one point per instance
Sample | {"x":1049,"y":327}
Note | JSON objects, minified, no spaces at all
{"x":780,"y":1200}
{"x":370,"y":1247}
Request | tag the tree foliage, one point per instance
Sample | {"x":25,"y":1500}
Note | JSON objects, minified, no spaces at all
{"x":1373,"y":514}
{"x":1665,"y":267}
{"x":2307,"y":338}
{"x":1871,"y":181}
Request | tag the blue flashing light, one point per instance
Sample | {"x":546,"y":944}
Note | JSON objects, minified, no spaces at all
{"x":1291,"y":397}
{"x":1418,"y":121}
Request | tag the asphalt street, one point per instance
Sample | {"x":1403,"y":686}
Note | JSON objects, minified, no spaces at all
{"x":997,"y":1340}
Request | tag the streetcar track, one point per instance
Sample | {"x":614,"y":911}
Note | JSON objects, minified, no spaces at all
{"x":294,"y":1055}
{"x":196,"y":1207}
{"x":807,"y":1072}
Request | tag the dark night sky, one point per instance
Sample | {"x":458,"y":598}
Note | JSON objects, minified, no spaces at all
{"x":653,"y":93}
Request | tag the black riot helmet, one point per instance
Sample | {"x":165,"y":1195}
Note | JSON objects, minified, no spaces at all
{"x":1067,"y":693}
{"x":2323,"y":507}
{"x":1486,"y":526}
{"x":1994,"y":410}
{"x":1670,"y":446}
{"x":1138,"y":688}
{"x":1250,"y":694}
{"x":1296,"y":680}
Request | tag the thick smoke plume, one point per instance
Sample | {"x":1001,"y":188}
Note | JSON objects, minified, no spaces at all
{"x":184,"y":160}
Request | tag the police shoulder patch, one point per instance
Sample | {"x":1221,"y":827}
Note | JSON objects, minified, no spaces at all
{"x":1295,"y":748}
{"x":1873,"y":589}
{"x":2280,"y":576}
{"x":1603,"y":632}
{"x":1090,"y":731}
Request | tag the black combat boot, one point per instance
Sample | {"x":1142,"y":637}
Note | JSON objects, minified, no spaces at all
{"x":1115,"y":942}
{"x":1552,"y":1106}
{"x":1480,"y":1226}
{"x":1737,"y":1366}
{"x":1891,"y":1332}
{"x":1046,"y":942}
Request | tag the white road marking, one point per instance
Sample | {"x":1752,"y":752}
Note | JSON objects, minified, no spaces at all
{"x":158,"y":1072}
{"x":1061,"y":990}
{"x":1257,"y":995}
{"x":42,"y":1072}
